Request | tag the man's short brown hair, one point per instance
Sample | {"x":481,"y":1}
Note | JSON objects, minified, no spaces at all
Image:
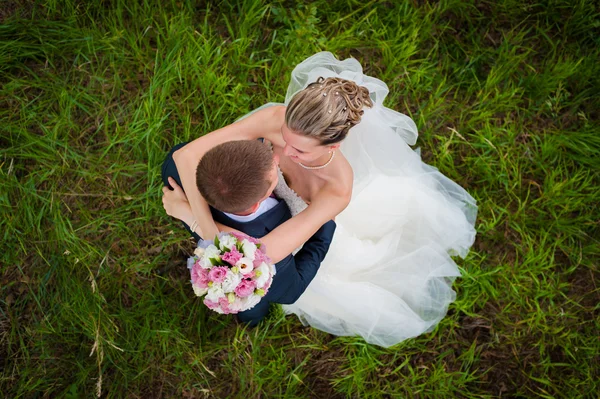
{"x":234,"y":176}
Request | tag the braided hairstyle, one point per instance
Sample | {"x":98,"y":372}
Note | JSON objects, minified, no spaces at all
{"x":327,"y":109}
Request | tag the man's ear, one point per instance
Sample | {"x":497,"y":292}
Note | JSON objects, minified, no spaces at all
{"x":254,"y":207}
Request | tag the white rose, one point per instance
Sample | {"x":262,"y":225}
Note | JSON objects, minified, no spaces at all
{"x":245,"y":265}
{"x":218,"y":310}
{"x":265,"y":273}
{"x":238,"y":305}
{"x":215,"y":293}
{"x":199,"y":291}
{"x":248,"y":248}
{"x":251,"y":301}
{"x":210,"y":252}
{"x":199,"y":252}
{"x":205,"y":263}
{"x":231,"y":281}
{"x":227,"y":242}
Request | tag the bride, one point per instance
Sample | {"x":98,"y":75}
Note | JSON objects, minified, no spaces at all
{"x":388,"y":274}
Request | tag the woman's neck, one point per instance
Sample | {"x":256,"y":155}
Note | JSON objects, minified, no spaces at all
{"x":321,"y":161}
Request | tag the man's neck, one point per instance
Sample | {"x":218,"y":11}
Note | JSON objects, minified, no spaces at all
{"x":254,"y":212}
{"x":248,"y":212}
{"x":245,"y":213}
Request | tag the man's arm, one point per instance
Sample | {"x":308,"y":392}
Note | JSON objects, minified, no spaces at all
{"x":307,"y":262}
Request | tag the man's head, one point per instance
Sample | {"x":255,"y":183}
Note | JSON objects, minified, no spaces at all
{"x":236,"y":176}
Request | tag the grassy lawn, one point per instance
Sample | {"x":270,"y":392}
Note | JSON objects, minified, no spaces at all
{"x":94,"y":293}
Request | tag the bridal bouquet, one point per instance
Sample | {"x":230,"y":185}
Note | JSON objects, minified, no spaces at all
{"x":233,"y":272}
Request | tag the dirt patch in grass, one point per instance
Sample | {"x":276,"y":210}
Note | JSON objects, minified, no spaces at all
{"x":475,"y":329}
{"x":16,"y":9}
{"x":323,"y":367}
{"x":18,"y":310}
{"x":4,"y":331}
{"x":500,"y":363}
{"x":583,"y":289}
{"x":504,"y":376}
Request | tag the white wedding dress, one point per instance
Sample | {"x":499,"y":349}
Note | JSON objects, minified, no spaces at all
{"x":388,"y":274}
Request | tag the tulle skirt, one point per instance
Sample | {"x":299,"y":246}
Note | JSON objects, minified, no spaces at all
{"x":388,"y":274}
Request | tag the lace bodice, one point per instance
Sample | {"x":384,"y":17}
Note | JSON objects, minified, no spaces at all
{"x":293,"y":200}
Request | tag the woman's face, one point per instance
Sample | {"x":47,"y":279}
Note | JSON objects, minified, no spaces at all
{"x":300,"y":148}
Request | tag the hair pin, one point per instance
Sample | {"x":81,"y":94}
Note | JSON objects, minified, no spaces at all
{"x":329,"y":111}
{"x":324,"y":94}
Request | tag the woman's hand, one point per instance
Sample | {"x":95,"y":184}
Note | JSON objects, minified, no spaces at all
{"x":176,"y":203}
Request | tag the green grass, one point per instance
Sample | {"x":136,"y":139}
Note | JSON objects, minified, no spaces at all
{"x":93,"y":286}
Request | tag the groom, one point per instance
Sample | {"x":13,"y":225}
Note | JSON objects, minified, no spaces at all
{"x":237,"y":179}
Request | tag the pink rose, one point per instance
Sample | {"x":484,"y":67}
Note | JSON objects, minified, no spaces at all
{"x":224,"y":304}
{"x":232,"y":257}
{"x":260,"y":257}
{"x":241,"y":237}
{"x":200,"y":276}
{"x":210,"y":304}
{"x":217,"y":274}
{"x":263,"y":249}
{"x":245,"y":288}
{"x":268,"y":285}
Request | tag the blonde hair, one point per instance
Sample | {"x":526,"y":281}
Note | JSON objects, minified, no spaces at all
{"x":327,"y":109}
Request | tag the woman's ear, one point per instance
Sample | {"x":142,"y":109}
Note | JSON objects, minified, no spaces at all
{"x":334,"y":147}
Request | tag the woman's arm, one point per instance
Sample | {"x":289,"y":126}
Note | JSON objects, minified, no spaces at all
{"x":176,"y":205}
{"x":264,"y":123}
{"x":288,"y":236}
{"x":284,"y":239}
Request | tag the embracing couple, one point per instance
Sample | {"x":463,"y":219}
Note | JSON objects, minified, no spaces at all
{"x":361,"y":230}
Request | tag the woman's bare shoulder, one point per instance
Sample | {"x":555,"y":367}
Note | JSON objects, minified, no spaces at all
{"x":346,"y":179}
{"x":338,"y":189}
{"x":275,"y":118}
{"x":279,"y":110}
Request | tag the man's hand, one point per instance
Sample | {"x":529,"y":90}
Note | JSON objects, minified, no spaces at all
{"x":176,"y":203}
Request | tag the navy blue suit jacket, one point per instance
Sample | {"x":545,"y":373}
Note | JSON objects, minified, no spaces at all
{"x":294,"y":273}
